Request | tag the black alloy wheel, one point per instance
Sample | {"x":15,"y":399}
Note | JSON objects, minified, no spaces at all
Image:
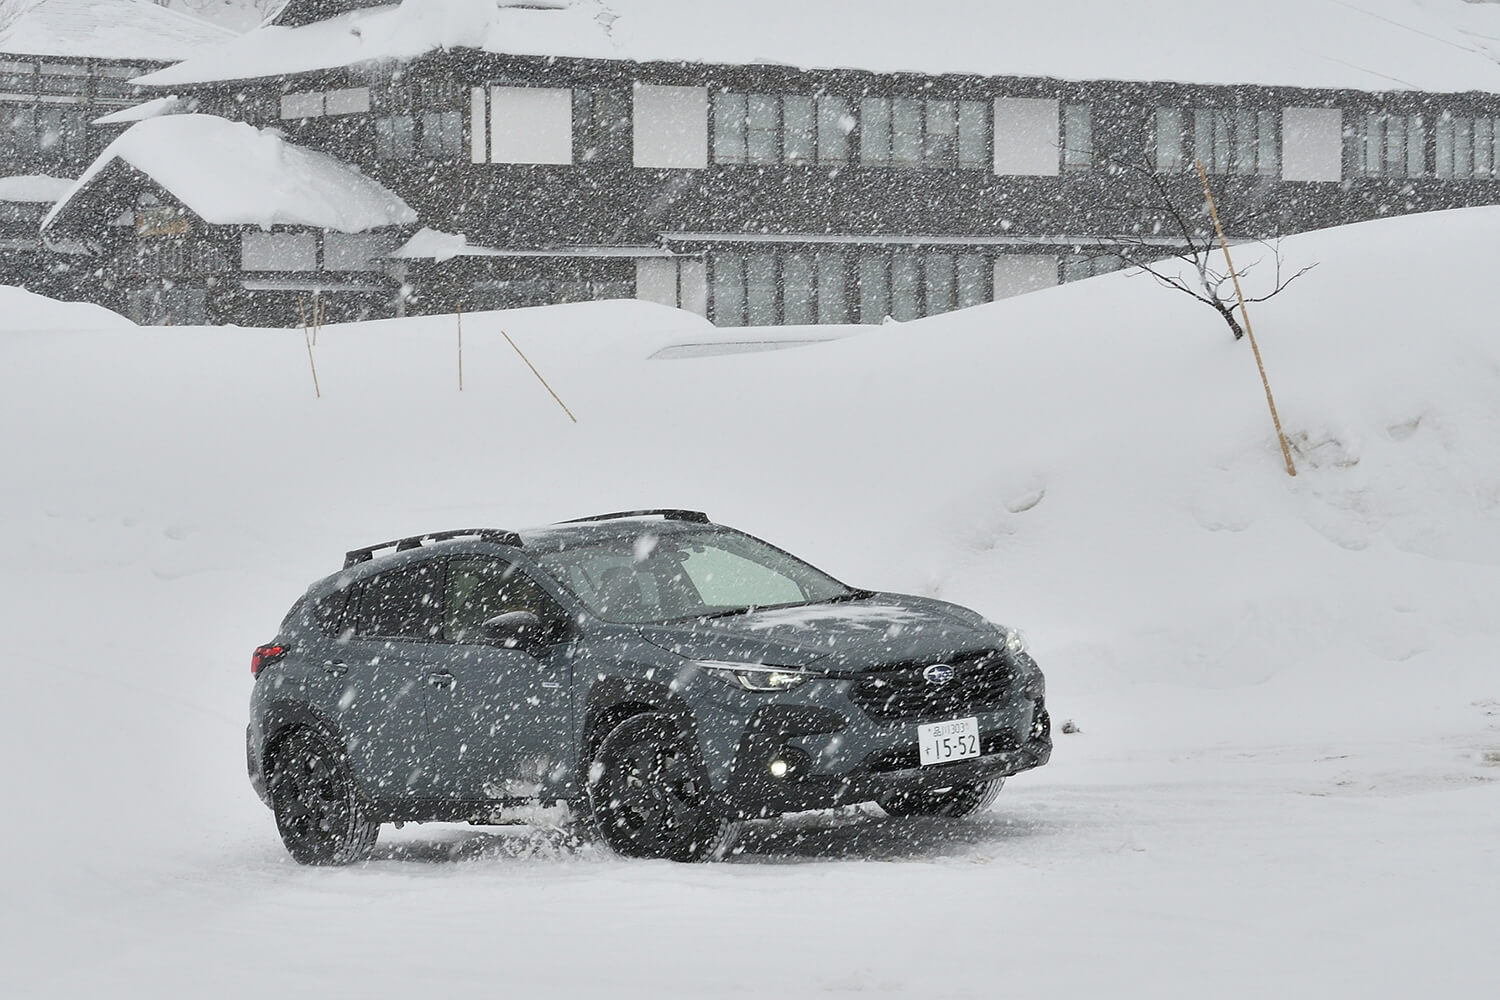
{"x":953,"y":803}
{"x":650,"y":795}
{"x":318,"y":811}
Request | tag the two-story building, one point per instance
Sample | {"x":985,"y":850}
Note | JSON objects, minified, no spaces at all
{"x":829,"y":161}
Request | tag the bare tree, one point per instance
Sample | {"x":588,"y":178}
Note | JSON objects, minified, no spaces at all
{"x":1177,"y":244}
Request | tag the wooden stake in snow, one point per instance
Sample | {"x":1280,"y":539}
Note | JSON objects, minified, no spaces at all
{"x":539,"y":378}
{"x":1213,"y":211}
{"x":460,"y":348}
{"x":307,"y":339}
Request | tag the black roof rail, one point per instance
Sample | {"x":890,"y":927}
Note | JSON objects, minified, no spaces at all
{"x":497,"y":535}
{"x":666,"y":514}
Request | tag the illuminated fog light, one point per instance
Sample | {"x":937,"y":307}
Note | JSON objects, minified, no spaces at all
{"x":779,"y":768}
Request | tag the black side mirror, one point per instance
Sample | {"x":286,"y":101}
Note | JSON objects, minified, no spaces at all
{"x":517,"y":630}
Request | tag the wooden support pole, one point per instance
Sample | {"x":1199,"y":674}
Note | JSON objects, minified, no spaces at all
{"x":1213,"y":211}
{"x":307,"y":339}
{"x":539,"y":378}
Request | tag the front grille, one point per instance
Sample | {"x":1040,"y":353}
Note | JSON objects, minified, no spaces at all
{"x":910,"y":757}
{"x":981,"y":682}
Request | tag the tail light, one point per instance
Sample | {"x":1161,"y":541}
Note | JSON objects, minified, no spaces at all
{"x":264,"y":656}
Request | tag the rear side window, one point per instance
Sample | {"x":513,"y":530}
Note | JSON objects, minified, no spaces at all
{"x":332,"y":612}
{"x":401,"y":603}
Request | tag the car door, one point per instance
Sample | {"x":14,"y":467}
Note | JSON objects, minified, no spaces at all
{"x":384,"y":666}
{"x":504,"y":725}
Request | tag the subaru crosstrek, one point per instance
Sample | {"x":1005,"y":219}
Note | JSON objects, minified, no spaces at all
{"x":663,"y":677}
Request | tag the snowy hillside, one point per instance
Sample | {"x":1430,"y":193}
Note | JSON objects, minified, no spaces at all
{"x":1285,"y":779}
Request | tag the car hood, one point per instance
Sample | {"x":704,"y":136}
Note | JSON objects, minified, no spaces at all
{"x":877,"y":631}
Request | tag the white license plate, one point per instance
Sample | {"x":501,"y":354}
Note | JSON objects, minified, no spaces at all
{"x":941,"y":742}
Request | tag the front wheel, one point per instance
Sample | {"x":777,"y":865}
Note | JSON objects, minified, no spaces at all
{"x":650,"y":796}
{"x":953,"y":803}
{"x":319,"y":814}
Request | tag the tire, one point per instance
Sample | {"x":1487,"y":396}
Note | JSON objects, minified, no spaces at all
{"x":650,"y":797}
{"x":952,"y":803}
{"x":319,"y":813}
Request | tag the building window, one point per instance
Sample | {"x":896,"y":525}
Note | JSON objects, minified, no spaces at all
{"x":1078,"y":137}
{"x":62,"y":133}
{"x":1228,"y":141}
{"x":281,"y":251}
{"x":355,"y":251}
{"x":804,"y":286}
{"x":302,"y":105}
{"x":1382,"y":145}
{"x":1466,"y":145}
{"x":355,"y":100}
{"x":602,"y":126}
{"x":395,"y":137}
{"x":771,"y":129}
{"x":916,"y":133}
{"x":1079,"y":266}
{"x":442,"y":135}
{"x":770,"y":288}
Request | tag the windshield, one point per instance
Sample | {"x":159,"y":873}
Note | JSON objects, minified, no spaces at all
{"x":652,"y":577}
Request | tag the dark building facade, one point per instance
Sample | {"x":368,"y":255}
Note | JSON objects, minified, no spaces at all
{"x":767,"y":194}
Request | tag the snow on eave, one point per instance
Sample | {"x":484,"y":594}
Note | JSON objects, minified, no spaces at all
{"x":439,"y":247}
{"x":33,"y":188}
{"x":1375,"y":45}
{"x":232,"y":174}
{"x":123,"y":30}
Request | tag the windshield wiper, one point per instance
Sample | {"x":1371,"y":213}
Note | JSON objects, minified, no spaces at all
{"x":853,"y":595}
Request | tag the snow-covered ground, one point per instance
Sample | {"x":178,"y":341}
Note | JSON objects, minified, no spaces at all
{"x":1285,"y":780}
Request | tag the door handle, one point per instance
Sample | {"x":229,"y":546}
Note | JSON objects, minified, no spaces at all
{"x":337,"y":668}
{"x":440,"y":679}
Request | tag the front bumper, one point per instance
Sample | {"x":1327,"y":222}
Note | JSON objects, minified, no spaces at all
{"x":818,"y":745}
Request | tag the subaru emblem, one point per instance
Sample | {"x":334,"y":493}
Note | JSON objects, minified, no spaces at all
{"x":938,"y":673}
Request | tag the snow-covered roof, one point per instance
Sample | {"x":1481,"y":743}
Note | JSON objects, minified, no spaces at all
{"x":36,"y":188}
{"x":1433,"y":45}
{"x":232,"y":174}
{"x":108,"y":29}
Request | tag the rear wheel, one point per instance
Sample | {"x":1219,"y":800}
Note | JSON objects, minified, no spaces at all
{"x":650,"y":796}
{"x":954,"y":803}
{"x":319,"y":814}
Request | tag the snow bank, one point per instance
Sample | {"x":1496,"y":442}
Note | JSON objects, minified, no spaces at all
{"x":230,"y":173}
{"x":1437,"y":45}
{"x":22,"y":310}
{"x":1285,"y":686}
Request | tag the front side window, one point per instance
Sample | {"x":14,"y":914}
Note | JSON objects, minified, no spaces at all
{"x":479,"y":589}
{"x":654,"y":577}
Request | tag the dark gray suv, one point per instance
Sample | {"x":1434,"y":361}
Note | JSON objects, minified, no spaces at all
{"x":662,"y":676}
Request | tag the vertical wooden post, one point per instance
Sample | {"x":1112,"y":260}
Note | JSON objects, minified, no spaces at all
{"x":460,"y":348}
{"x":1213,"y":211}
{"x":307,"y":339}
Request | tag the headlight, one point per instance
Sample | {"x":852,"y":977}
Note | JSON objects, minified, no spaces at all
{"x":1015,"y":642}
{"x":755,"y":676}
